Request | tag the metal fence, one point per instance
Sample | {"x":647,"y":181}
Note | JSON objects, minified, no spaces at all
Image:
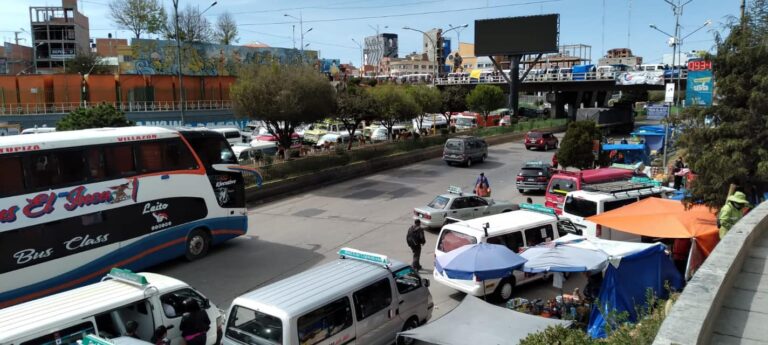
{"x":541,"y":77}
{"x":66,"y":107}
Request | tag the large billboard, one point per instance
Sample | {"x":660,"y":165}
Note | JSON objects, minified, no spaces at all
{"x":517,"y":35}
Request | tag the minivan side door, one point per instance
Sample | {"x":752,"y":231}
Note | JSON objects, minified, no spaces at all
{"x":375,"y":313}
{"x":411,"y":294}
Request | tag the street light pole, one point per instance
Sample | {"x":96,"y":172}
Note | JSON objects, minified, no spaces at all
{"x":362,"y":56}
{"x":434,"y":76}
{"x":178,"y":54}
{"x":301,"y":30}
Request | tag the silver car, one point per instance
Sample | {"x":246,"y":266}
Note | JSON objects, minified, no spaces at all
{"x":459,"y":205}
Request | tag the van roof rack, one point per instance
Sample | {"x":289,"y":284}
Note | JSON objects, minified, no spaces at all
{"x":615,"y":187}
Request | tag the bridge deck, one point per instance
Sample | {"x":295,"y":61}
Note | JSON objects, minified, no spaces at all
{"x":743,"y":316}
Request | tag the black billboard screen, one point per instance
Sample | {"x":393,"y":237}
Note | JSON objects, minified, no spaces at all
{"x":517,"y":35}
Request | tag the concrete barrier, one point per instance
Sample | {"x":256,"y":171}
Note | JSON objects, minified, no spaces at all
{"x":303,"y":183}
{"x":691,"y":320}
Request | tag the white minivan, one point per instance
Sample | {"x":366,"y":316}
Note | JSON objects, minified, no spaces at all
{"x":361,"y":298}
{"x":233,"y":135}
{"x":517,"y":230}
{"x":603,"y":197}
{"x":104,"y":309}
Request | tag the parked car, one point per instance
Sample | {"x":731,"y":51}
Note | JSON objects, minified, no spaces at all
{"x":248,"y":152}
{"x":465,"y":150}
{"x":541,"y":140}
{"x":534,"y":175}
{"x":379,"y":134}
{"x":458,"y":205}
{"x":295,"y":140}
{"x":335,"y":138}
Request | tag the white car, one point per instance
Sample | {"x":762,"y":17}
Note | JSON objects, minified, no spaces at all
{"x":458,"y":205}
{"x":334,"y":138}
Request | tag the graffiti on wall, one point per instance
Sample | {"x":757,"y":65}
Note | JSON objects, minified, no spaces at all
{"x":152,"y":57}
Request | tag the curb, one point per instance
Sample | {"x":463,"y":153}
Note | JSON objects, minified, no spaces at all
{"x":304,"y":183}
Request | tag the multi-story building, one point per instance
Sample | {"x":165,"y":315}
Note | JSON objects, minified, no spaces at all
{"x":412,"y":64}
{"x":58,"y":33}
{"x":620,"y":56}
{"x":108,"y":47}
{"x":378,"y":47}
{"x":15,"y":59}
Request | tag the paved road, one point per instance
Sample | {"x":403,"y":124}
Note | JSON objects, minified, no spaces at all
{"x":370,"y":213}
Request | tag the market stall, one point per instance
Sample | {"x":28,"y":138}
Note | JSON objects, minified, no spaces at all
{"x":477,"y":322}
{"x":667,"y":219}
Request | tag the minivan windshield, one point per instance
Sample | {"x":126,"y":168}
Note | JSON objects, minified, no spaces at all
{"x":580,"y":207}
{"x":463,"y":121}
{"x":450,"y":240}
{"x":254,"y":328}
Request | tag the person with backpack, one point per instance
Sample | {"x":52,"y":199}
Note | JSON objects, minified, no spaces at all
{"x":415,"y":239}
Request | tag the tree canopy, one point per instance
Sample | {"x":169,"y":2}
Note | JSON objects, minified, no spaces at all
{"x":393,"y":105}
{"x":138,"y":16}
{"x":283,"y":96}
{"x":193,"y":27}
{"x":734,"y":147}
{"x":355,"y":105}
{"x":486,"y":98}
{"x":87,"y":63}
{"x":225,"y":31}
{"x":102,"y":115}
{"x":428,"y":99}
{"x":576,"y":148}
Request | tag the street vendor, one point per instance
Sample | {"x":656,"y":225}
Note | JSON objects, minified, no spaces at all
{"x":731,"y":212}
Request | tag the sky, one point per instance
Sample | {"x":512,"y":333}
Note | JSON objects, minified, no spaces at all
{"x":603,"y":24}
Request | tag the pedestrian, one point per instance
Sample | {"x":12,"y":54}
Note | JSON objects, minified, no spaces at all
{"x":679,"y":165}
{"x":160,"y":337}
{"x":415,"y":239}
{"x":194,"y":323}
{"x":731,"y":212}
{"x":554,"y":161}
{"x":482,"y":187}
{"x":131,"y":327}
{"x":529,"y":200}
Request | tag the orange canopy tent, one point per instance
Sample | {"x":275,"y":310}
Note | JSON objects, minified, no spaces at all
{"x":664,"y":218}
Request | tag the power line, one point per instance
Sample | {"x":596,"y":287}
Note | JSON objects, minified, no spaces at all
{"x":404,"y":14}
{"x":342,"y":8}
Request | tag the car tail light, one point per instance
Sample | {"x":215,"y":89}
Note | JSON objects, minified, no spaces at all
{"x":599,"y":231}
{"x":415,"y":213}
{"x":519,"y":178}
{"x":427,"y":216}
{"x":540,"y":141}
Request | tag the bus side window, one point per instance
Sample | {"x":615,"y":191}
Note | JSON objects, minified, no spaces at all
{"x":150,"y":157}
{"x":96,"y":164}
{"x":177,"y":156}
{"x":11,"y":176}
{"x":120,"y":160}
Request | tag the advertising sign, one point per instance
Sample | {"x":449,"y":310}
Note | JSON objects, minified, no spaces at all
{"x":699,"y":88}
{"x":669,"y":93}
{"x":657,"y":112}
{"x":641,"y":78}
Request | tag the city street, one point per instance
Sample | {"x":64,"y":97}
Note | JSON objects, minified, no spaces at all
{"x":371,"y":213}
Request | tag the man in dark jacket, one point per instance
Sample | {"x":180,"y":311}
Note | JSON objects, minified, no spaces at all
{"x":415,"y":239}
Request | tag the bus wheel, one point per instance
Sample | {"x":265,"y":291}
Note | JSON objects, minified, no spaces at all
{"x":198,"y":243}
{"x":409,"y":325}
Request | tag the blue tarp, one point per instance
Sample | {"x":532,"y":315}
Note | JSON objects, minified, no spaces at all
{"x":625,"y":288}
{"x":654,"y":139}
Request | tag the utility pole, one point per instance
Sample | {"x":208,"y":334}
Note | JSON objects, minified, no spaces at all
{"x":178,"y":57}
{"x":16,"y":37}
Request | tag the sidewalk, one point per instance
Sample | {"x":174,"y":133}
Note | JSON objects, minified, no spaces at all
{"x":743,"y":317}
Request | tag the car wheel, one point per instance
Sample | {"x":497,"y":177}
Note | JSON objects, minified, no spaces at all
{"x":469,"y":162}
{"x":198,"y":243}
{"x":546,"y":147}
{"x":504,"y":291}
{"x":412,"y":323}
{"x":482,"y":159}
{"x":521,"y":191}
{"x":448,"y":163}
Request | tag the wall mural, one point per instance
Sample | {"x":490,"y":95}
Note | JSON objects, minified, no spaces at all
{"x":148,"y":57}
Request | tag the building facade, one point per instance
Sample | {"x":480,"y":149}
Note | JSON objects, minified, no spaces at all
{"x":15,"y":59}
{"x":108,"y":47}
{"x":413,"y":64}
{"x":620,"y":56}
{"x":58,"y":34}
{"x":378,"y":47}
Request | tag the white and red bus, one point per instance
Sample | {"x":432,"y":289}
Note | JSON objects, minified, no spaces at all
{"x":75,"y":204}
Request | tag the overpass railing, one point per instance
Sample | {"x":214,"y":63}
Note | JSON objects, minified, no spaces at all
{"x":540,"y":77}
{"x":66,"y":107}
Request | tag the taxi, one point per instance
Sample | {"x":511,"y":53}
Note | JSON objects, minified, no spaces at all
{"x":459,"y":205}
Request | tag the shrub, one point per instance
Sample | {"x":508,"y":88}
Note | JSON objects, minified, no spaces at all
{"x":444,"y":131}
{"x":294,"y":153}
{"x":558,"y":335}
{"x":269,"y":159}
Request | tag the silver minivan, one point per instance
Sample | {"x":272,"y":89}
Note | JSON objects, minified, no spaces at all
{"x":465,"y":150}
{"x":361,"y":298}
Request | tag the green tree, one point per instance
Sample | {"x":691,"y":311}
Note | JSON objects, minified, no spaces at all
{"x":355,"y":105}
{"x":102,"y":115}
{"x":393,"y":105}
{"x":454,"y":100}
{"x":428,"y":99}
{"x":138,"y":16}
{"x":558,"y":335}
{"x":87,"y":63}
{"x":486,"y":98}
{"x":193,"y":26}
{"x":226,"y":29}
{"x":576,"y":148}
{"x":283,"y":96}
{"x":735,"y":148}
